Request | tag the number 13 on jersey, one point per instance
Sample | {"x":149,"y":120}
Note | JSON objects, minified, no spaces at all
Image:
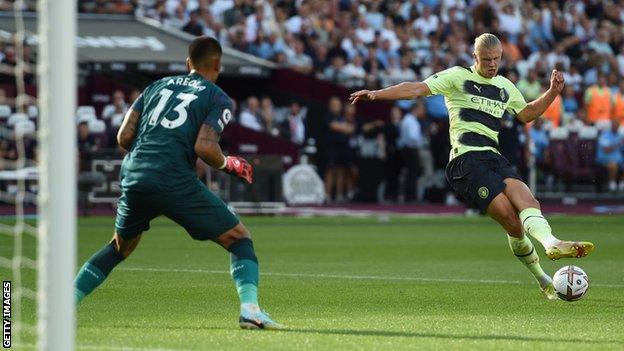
{"x":180,"y":109}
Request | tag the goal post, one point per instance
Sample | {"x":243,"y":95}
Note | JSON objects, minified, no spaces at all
{"x":57,"y":174}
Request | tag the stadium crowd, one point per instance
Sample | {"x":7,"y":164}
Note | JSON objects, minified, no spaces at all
{"x":375,"y":43}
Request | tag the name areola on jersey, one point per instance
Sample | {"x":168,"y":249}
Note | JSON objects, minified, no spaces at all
{"x":188,"y":82}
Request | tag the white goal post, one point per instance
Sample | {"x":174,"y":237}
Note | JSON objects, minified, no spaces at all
{"x":57,"y":174}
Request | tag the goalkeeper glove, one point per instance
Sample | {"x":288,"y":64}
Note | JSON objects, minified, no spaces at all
{"x":239,"y":167}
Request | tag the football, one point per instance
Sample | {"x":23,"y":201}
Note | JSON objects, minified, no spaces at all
{"x":571,"y":283}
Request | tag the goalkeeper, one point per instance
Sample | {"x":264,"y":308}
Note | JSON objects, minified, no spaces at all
{"x":174,"y":121}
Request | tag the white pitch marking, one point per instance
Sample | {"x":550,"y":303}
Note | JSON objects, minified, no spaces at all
{"x":107,"y":347}
{"x":354,"y":277}
{"x":337,"y":276}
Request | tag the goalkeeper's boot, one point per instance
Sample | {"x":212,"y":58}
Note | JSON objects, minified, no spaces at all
{"x":254,"y":318}
{"x":564,"y":249}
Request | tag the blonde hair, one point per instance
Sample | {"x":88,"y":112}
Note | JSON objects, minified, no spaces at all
{"x":486,"y":41}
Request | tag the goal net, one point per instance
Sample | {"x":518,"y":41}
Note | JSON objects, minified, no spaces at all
{"x":37,"y":173}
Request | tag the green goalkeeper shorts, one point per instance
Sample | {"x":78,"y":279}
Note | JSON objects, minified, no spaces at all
{"x":204,"y":215}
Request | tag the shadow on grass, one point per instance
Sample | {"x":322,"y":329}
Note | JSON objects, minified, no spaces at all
{"x":382,"y":333}
{"x":375,"y":333}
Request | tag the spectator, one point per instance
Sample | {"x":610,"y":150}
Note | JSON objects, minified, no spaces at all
{"x":293,"y":127}
{"x":530,"y":87}
{"x":425,"y":156}
{"x":267,"y":114}
{"x":335,"y":72}
{"x":511,"y":21}
{"x":300,"y":62}
{"x":338,"y":151}
{"x":554,"y":111}
{"x":410,"y":140}
{"x":598,"y":101}
{"x":539,"y":139}
{"x":364,"y":32}
{"x":570,"y":103}
{"x":393,"y":157}
{"x":427,"y":22}
{"x":261,"y":47}
{"x":609,"y":155}
{"x":352,"y":173}
{"x":436,"y":108}
{"x":257,"y":23}
{"x":354,"y":73}
{"x":399,"y":71}
{"x":618,"y":104}
{"x":385,"y":53}
{"x":250,"y":117}
{"x":194,"y":25}
{"x":118,"y":105}
{"x":87,"y":144}
{"x":573,"y":79}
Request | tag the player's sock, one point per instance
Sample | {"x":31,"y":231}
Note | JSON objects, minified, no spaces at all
{"x":95,"y":271}
{"x":524,"y":250}
{"x":244,"y":270}
{"x":537,"y":226}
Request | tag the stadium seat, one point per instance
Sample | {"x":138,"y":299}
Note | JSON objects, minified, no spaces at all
{"x":603,"y":124}
{"x":85,"y":110}
{"x":97,"y":126}
{"x":16,"y":117}
{"x":32,"y":111}
{"x":588,"y":133}
{"x":116,"y":120}
{"x":86,"y":118}
{"x":560,"y":133}
{"x":5,"y":112}
{"x":24,"y":127}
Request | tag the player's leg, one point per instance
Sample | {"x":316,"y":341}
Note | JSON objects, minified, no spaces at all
{"x":502,"y":211}
{"x":206,"y":217}
{"x":245,"y":273}
{"x":98,"y":267}
{"x":537,"y":226}
{"x":479,"y":186}
{"x":133,"y":217}
{"x":243,"y":262}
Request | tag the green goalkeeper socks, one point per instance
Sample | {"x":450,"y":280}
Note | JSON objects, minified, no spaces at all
{"x":537,"y":226}
{"x":244,"y":270}
{"x":95,"y":271}
{"x":524,"y":250}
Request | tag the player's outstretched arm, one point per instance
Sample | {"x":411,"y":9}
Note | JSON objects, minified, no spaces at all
{"x":208,"y":149}
{"x":537,"y":107}
{"x":401,"y":91}
{"x":128,"y":129}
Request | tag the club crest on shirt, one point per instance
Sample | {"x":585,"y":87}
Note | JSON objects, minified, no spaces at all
{"x":503,"y":94}
{"x":483,"y":192}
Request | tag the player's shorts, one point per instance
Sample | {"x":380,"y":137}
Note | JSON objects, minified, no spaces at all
{"x":477,"y":177}
{"x":204,"y":215}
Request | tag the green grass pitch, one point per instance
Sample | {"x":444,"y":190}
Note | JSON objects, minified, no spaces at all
{"x":426,"y":283}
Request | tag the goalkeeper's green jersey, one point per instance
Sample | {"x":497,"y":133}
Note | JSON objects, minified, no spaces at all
{"x":476,"y":105}
{"x":173,"y":109}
